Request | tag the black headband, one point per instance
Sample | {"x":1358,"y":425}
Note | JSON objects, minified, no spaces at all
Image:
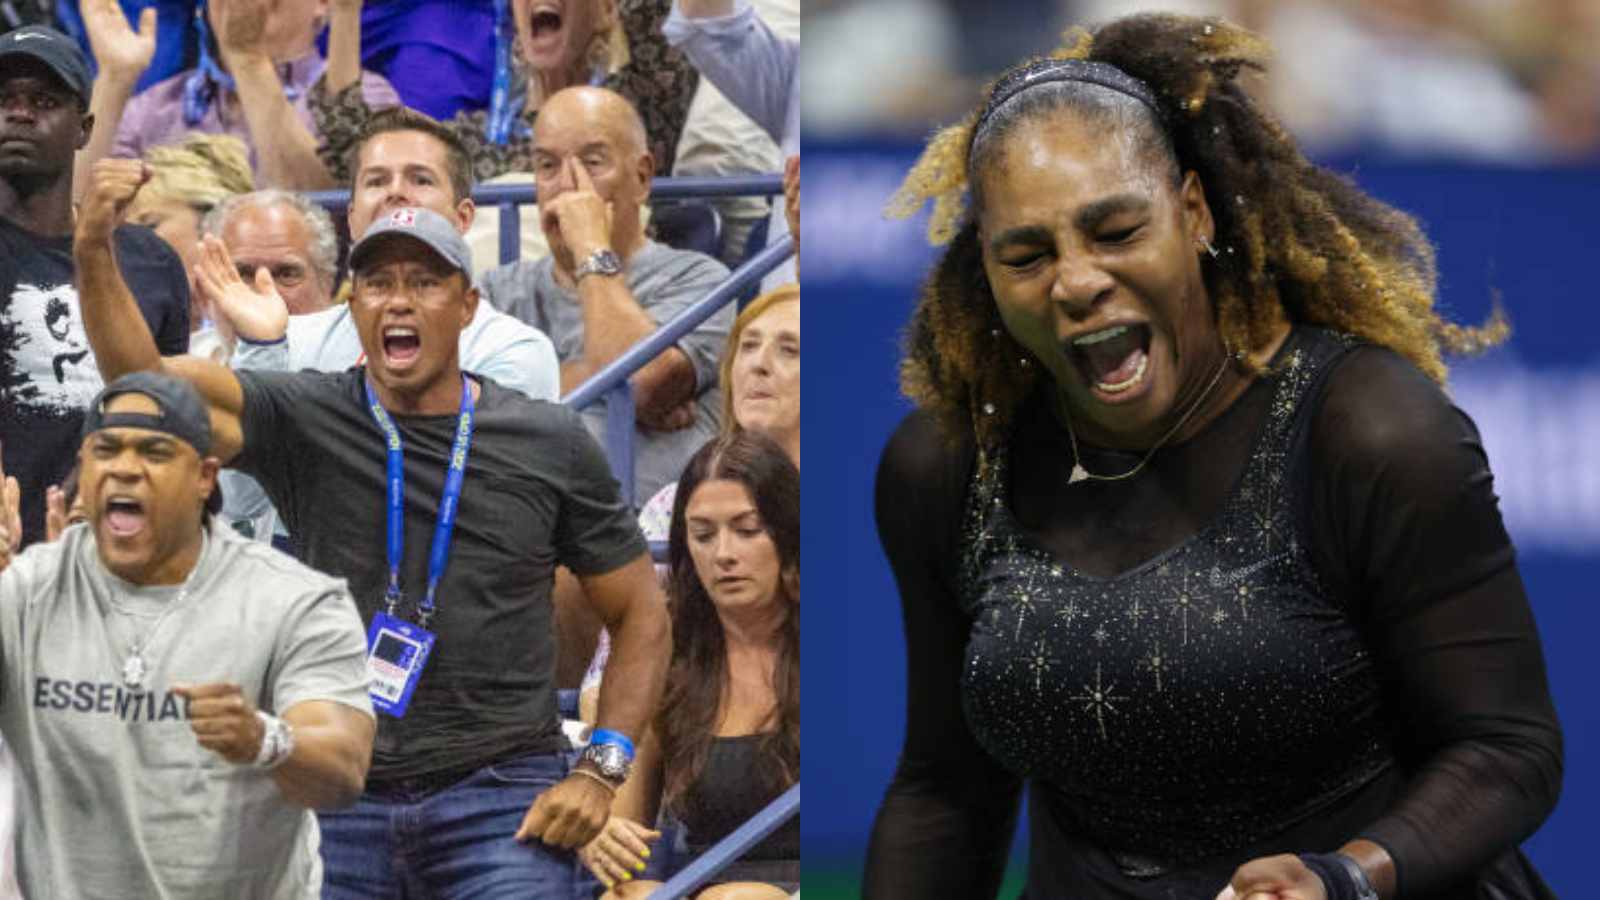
{"x":1045,"y":71}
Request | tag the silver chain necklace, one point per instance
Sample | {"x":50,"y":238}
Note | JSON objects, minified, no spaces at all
{"x":134,"y":667}
{"x":1079,"y":473}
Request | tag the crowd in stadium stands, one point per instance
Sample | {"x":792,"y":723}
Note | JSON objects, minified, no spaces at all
{"x":349,"y":424}
{"x":1514,"y":81}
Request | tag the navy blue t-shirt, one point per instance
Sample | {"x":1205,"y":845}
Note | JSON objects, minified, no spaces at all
{"x":47,"y":372}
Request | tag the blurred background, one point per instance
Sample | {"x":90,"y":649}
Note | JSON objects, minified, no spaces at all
{"x":1480,"y":117}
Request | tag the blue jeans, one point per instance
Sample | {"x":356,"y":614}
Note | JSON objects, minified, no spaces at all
{"x":451,"y":843}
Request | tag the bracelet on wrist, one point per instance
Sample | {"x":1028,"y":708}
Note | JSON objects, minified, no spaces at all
{"x":1342,"y":877}
{"x":277,"y":741}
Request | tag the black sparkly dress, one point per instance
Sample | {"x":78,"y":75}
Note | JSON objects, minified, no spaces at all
{"x":1301,"y":626}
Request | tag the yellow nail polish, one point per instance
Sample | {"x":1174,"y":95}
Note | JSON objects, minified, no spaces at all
{"x":647,"y":854}
{"x":638,"y":867}
{"x":627,"y":876}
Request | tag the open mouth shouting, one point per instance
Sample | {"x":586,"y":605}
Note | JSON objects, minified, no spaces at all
{"x":545,"y":27}
{"x":401,"y":346}
{"x":1113,"y":361}
{"x":124,"y":515}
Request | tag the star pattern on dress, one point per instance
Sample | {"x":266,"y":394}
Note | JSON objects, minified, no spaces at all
{"x":1100,"y":634}
{"x":1156,"y":663}
{"x":1183,"y":602}
{"x":1039,"y":663}
{"x":1100,"y":699}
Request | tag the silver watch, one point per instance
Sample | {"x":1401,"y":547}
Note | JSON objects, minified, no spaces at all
{"x":600,"y":262}
{"x":610,"y":759}
{"x":277,"y":741}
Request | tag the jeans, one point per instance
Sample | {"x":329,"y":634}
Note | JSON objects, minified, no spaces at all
{"x":450,"y":843}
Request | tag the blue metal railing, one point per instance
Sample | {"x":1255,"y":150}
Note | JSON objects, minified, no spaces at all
{"x":731,"y":847}
{"x":611,"y":382}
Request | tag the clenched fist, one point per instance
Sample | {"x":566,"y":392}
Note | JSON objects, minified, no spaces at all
{"x":113,"y":183}
{"x":224,"y":721}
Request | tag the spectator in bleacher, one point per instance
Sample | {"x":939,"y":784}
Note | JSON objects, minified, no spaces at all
{"x":760,"y":378}
{"x":46,"y":373}
{"x":720,"y":140}
{"x":257,"y":62}
{"x":187,"y":180}
{"x":404,"y":159}
{"x":559,"y":43}
{"x":469,"y":737}
{"x":755,"y":69}
{"x":606,"y":286}
{"x":726,"y":740}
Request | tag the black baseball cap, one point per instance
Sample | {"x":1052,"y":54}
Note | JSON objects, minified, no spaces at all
{"x":55,"y":50}
{"x":183,"y":414}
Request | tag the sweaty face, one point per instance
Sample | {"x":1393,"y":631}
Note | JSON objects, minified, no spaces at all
{"x":594,"y":130}
{"x":404,"y":168}
{"x":734,"y":556}
{"x":277,"y":238}
{"x":142,"y":492}
{"x":1091,"y":251}
{"x":40,"y":123}
{"x":409,"y":307}
{"x":555,"y":34}
{"x":766,"y":372}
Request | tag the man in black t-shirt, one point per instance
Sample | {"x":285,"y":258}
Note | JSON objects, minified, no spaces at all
{"x":47,"y":375}
{"x":476,"y":752}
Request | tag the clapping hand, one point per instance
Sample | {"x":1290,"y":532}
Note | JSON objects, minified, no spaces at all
{"x":240,"y":26}
{"x":255,"y":313}
{"x":10,"y":517}
{"x":120,"y":51}
{"x":618,"y":852}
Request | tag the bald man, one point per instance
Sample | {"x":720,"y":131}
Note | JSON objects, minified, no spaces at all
{"x":605,"y":285}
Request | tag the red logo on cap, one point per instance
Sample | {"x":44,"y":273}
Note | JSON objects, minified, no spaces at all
{"x":404,"y":217}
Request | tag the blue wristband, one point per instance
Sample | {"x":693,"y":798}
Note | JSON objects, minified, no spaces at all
{"x":607,"y":736}
{"x":272,"y":343}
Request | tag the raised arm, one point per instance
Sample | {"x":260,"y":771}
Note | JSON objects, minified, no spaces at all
{"x":947,"y":818}
{"x":285,"y":147}
{"x":344,"y":45}
{"x":123,"y":55}
{"x":116,"y":329}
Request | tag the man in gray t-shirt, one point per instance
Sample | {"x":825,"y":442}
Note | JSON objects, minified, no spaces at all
{"x":605,"y":286}
{"x":179,"y":699}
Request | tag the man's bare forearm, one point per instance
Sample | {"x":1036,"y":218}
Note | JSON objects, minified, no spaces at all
{"x":332,"y":749}
{"x":344,"y":47}
{"x":705,"y":9}
{"x":285,"y":147}
{"x":641,"y":648}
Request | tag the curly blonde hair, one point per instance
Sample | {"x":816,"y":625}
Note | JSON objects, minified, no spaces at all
{"x":1298,"y":241}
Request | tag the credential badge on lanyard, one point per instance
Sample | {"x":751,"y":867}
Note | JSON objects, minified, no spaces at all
{"x":397,"y":650}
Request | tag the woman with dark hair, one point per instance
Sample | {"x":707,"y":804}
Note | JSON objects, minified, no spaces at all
{"x":1187,"y":535}
{"x":726,"y":741}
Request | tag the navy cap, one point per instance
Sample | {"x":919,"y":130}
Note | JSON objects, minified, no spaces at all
{"x":182,"y":413}
{"x":55,"y":50}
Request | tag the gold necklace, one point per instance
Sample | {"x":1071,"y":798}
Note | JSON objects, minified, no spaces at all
{"x":1079,"y":473}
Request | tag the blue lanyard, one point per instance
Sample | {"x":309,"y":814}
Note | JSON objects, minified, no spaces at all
{"x":439,"y":554}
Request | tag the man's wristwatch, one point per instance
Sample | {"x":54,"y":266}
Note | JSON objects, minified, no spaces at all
{"x":600,"y":262}
{"x":1358,"y":875}
{"x":277,"y":741}
{"x":611,"y":761}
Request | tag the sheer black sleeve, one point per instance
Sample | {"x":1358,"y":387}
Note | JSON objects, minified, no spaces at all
{"x":945,"y":825}
{"x":1405,"y":522}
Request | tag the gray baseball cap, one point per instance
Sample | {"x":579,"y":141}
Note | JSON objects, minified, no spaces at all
{"x":423,"y":225}
{"x":55,"y":50}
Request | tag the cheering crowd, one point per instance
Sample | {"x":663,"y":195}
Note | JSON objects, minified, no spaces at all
{"x":300,"y":547}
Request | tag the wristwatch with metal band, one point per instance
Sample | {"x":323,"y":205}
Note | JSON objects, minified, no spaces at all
{"x":600,"y":262}
{"x":1358,"y":875}
{"x":611,"y":760}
